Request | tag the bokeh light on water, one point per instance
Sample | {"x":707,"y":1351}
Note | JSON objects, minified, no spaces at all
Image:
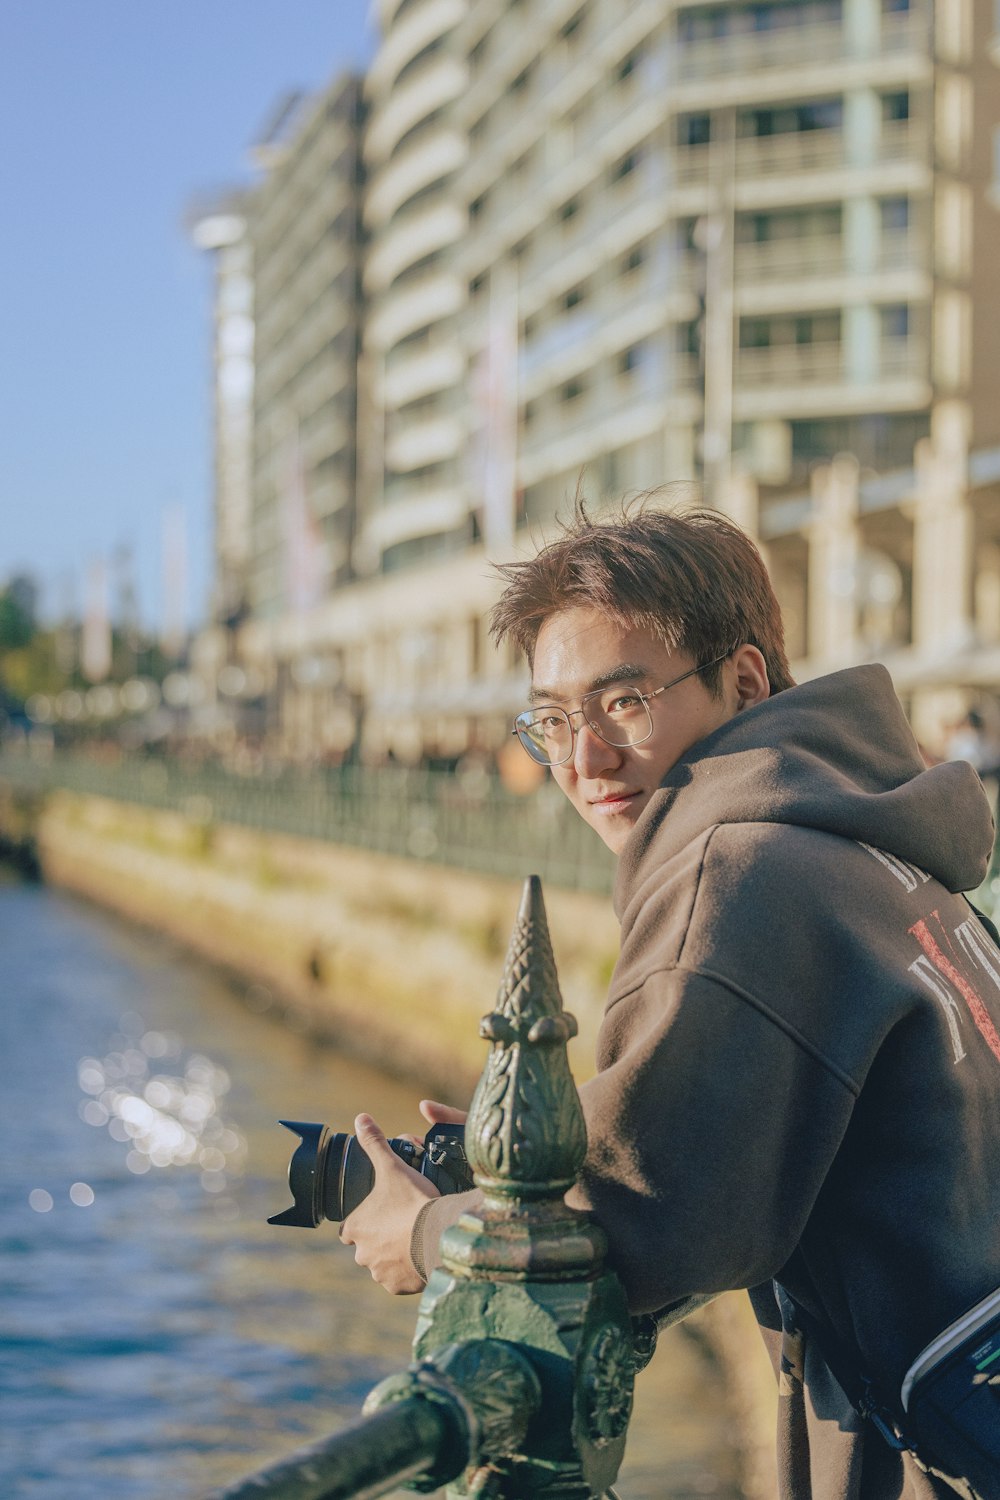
{"x":167,"y":1119}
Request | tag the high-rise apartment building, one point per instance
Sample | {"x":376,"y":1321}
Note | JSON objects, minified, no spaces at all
{"x":733,"y":241}
{"x":732,"y":228}
{"x":305,"y":239}
{"x":304,"y":232}
{"x":414,"y":503}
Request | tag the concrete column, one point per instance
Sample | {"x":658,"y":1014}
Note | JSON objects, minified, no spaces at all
{"x":862,"y":234}
{"x":738,"y":498}
{"x":832,"y":630}
{"x":862,"y":27}
{"x":862,"y":125}
{"x":678,"y":452}
{"x":943,"y":562}
{"x":861,"y":334}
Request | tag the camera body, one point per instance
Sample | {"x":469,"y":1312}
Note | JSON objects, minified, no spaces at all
{"x":330,"y":1173}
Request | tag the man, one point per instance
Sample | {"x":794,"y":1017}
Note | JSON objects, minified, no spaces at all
{"x":799,"y":1063}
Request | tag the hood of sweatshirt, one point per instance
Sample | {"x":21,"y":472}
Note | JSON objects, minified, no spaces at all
{"x":835,"y":754}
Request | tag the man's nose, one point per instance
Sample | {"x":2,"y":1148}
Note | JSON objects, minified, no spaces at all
{"x":593,"y":756}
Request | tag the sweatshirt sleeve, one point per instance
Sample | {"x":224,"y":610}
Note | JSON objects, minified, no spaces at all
{"x":711,"y":1127}
{"x":437,"y":1215}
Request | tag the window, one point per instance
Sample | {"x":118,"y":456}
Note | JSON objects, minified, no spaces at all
{"x":784,"y":119}
{"x":625,"y":166}
{"x":694,"y":130}
{"x":630,"y":359}
{"x":573,"y":27}
{"x":573,"y":390}
{"x":895,"y":321}
{"x":896,"y":106}
{"x":574,"y":297}
{"x":569,"y":209}
{"x":894,"y":213}
{"x":626,"y":69}
{"x":631,"y":261}
{"x":479,"y":51}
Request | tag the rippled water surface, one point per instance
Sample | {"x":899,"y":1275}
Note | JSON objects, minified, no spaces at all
{"x":159,"y":1338}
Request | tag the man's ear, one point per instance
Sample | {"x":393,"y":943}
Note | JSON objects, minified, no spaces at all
{"x":752,"y":685}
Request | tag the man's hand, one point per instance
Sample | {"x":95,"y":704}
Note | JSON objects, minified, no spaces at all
{"x":381,"y":1226}
{"x":442,"y":1114}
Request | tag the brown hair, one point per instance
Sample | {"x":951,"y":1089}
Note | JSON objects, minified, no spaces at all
{"x":691,"y":577}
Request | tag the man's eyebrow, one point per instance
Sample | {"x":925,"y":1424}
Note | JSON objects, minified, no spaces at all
{"x":627,"y":671}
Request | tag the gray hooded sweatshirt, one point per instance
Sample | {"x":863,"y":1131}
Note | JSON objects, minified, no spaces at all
{"x":799,"y":1063}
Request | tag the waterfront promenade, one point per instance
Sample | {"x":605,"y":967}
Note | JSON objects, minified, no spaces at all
{"x":392,"y":958}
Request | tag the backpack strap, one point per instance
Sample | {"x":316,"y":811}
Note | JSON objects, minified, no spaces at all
{"x":846,"y":1370}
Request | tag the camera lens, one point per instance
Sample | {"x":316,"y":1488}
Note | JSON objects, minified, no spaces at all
{"x":348,"y":1176}
{"x":330,"y":1174}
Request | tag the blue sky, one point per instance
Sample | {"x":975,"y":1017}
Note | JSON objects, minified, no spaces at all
{"x":114,"y":114}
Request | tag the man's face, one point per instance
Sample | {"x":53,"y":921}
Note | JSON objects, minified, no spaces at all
{"x":579,"y":650}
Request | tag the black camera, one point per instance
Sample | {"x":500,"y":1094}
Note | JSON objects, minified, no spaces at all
{"x":330,"y":1174}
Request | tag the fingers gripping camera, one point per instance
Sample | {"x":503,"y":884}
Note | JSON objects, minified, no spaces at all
{"x":330,"y":1174}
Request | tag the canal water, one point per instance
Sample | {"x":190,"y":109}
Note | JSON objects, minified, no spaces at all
{"x":159,"y":1338}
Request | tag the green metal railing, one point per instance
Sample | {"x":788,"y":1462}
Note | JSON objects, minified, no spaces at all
{"x":473,"y":823}
{"x":524,"y":1353}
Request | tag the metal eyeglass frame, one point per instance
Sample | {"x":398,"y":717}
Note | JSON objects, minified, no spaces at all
{"x":570,"y":714}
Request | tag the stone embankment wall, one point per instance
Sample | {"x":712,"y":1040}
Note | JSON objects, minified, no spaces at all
{"x":393,"y":960}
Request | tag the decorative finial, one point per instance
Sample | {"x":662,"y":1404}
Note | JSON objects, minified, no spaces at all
{"x":525,"y":1135}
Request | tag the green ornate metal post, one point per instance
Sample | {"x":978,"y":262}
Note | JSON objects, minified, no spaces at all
{"x":524,"y":1268}
{"x":521,"y":1386}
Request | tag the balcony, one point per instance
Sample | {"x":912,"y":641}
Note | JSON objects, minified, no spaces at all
{"x":793,"y":151}
{"x":904,"y":357}
{"x":790,"y":259}
{"x":758,"y":52}
{"x":790,"y":364}
{"x":902,"y":250}
{"x":905,"y":31}
{"x":797,"y":152}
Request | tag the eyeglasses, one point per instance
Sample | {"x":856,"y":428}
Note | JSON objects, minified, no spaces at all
{"x":618,"y":715}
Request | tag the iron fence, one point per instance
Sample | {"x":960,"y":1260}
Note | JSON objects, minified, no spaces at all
{"x":470,"y":822}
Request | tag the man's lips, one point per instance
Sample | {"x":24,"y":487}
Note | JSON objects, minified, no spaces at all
{"x":612,"y":801}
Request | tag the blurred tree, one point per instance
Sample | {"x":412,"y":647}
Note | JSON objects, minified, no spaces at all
{"x":16,"y":623}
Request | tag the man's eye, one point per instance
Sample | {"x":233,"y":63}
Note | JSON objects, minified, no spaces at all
{"x":623,"y":703}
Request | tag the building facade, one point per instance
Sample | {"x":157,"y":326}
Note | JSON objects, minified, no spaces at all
{"x":748,"y":245}
{"x":304,"y":233}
